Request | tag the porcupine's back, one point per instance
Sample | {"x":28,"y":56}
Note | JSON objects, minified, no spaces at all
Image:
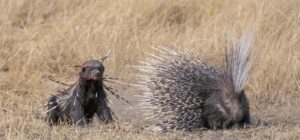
{"x":175,"y":86}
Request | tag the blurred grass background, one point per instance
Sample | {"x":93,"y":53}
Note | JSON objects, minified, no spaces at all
{"x":38,"y":37}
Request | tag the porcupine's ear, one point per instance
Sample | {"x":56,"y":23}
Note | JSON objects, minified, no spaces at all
{"x":238,"y":62}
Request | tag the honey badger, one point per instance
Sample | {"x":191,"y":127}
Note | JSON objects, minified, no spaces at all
{"x":81,"y":101}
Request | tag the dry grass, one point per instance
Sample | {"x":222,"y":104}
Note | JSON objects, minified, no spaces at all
{"x":38,"y":37}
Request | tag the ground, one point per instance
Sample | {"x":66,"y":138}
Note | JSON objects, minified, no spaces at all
{"x":38,"y":38}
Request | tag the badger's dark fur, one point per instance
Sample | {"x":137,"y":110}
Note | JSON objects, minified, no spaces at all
{"x":80,"y":102}
{"x":187,"y":94}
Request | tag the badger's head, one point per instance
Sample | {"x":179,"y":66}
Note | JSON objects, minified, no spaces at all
{"x":92,"y":71}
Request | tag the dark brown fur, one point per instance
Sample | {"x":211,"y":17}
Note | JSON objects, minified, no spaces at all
{"x":80,"y":102}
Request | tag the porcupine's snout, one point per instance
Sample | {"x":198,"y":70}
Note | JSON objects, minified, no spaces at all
{"x":96,"y":75}
{"x":237,"y":113}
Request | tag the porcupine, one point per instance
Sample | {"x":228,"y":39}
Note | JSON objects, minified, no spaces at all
{"x":187,"y":94}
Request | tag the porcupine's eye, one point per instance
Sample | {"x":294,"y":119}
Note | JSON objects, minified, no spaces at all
{"x":227,"y":102}
{"x":100,"y":69}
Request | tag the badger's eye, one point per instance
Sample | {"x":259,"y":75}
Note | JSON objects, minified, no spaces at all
{"x":83,"y":69}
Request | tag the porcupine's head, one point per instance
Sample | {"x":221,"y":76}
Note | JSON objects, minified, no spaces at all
{"x":92,"y":71}
{"x":225,"y":108}
{"x":227,"y":104}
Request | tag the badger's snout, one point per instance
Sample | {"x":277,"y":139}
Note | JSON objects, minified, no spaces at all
{"x":96,"y":75}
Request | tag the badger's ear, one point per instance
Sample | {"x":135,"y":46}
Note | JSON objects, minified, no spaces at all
{"x":81,"y":73}
{"x":83,"y":69}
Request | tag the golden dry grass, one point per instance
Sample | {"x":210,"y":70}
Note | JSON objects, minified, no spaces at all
{"x":38,"y":37}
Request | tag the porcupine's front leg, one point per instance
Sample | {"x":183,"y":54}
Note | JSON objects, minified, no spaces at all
{"x":104,"y":113}
{"x":77,"y":113}
{"x":246,"y":120}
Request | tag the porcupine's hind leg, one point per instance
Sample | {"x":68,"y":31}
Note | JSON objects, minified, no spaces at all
{"x":164,"y":126}
{"x":54,"y":112}
{"x":176,"y":124}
